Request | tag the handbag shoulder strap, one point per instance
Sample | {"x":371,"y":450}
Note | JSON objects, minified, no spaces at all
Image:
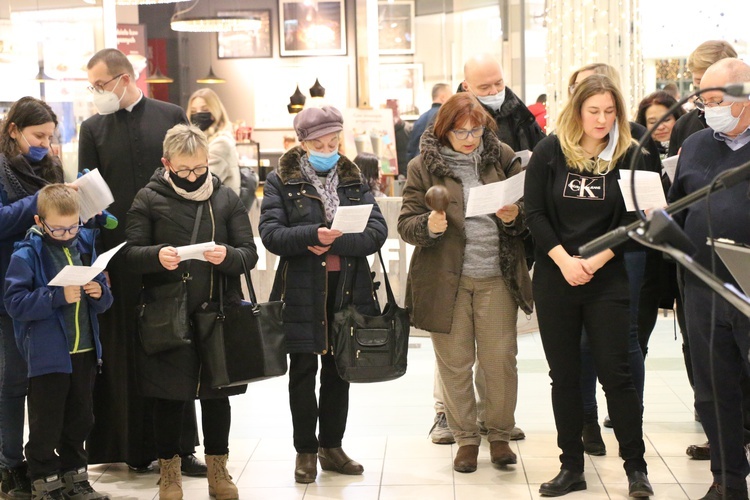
{"x":193,"y":237}
{"x":388,"y":289}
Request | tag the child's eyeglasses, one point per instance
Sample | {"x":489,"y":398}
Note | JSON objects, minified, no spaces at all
{"x":59,"y":232}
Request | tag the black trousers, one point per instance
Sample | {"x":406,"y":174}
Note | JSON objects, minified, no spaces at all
{"x":729,"y":351}
{"x":602,"y":307}
{"x":169,"y":420}
{"x":330,"y":413}
{"x":60,"y":418}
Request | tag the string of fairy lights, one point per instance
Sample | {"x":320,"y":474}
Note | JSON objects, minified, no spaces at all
{"x":581,"y":32}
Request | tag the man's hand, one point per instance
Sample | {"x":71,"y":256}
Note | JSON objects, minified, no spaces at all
{"x":318,"y":250}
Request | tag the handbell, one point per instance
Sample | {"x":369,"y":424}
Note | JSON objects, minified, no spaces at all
{"x":437,"y":198}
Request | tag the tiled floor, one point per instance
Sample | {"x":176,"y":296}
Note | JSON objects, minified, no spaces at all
{"x":387,"y":433}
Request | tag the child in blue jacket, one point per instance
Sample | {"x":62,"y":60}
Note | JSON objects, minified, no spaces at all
{"x":57,"y":333}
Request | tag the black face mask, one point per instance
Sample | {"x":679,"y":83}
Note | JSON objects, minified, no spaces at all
{"x":60,"y":243}
{"x":202,"y":120}
{"x":186,"y":184}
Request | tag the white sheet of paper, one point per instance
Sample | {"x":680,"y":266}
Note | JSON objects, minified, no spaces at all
{"x":490,"y":198}
{"x":80,"y":275}
{"x":670,"y":166}
{"x":525,"y":156}
{"x":195,"y":251}
{"x":94,"y":194}
{"x":648,"y":189}
{"x":351,"y":219}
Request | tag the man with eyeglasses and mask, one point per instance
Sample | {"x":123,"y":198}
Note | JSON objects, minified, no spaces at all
{"x":719,"y":338}
{"x":124,"y":141}
{"x":516,"y":125}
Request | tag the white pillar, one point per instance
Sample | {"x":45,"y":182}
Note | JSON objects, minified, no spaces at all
{"x":582,"y":32}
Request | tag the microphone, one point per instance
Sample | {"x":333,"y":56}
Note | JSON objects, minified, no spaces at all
{"x":741,"y":90}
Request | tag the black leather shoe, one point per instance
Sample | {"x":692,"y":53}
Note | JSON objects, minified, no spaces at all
{"x":565,"y":482}
{"x":638,"y":485}
{"x":141,"y":468}
{"x":193,"y":467}
{"x":716,"y":492}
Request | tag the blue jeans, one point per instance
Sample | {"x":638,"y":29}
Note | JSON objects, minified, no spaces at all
{"x":635,"y":264}
{"x":13,"y":384}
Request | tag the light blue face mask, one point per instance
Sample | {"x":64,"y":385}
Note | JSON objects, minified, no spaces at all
{"x":323,"y":162}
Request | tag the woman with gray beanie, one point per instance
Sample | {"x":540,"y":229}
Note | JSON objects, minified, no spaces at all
{"x":320,"y":272}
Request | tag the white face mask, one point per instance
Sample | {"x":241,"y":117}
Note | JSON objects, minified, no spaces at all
{"x":493,"y":102}
{"x":720,"y":118}
{"x":107,"y":102}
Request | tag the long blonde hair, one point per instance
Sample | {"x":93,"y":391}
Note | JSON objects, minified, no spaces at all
{"x":570,"y":126}
{"x":217,"y":110}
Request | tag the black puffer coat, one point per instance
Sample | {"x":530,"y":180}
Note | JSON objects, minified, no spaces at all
{"x":158,"y":218}
{"x":291,"y":214}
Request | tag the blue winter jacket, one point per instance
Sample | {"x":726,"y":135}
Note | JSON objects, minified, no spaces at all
{"x":36,"y":310}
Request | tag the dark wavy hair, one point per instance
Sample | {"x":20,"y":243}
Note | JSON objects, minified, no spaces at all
{"x":658,"y":97}
{"x":27,"y":112}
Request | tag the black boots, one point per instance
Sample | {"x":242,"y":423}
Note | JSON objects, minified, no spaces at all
{"x":15,"y":483}
{"x":592,"y":435}
{"x":565,"y":482}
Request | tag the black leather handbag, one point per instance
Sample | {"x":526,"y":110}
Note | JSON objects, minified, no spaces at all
{"x":163,"y":319}
{"x":241,"y":343}
{"x":371,"y":348}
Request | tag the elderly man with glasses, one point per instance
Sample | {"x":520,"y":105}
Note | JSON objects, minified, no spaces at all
{"x":719,"y":334}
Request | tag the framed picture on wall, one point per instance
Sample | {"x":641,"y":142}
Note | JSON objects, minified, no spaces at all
{"x":396,"y":27}
{"x":402,"y":82}
{"x":240,"y":44}
{"x":312,"y":28}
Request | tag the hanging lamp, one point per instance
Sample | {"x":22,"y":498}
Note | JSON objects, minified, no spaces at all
{"x":211,"y":24}
{"x":296,"y":102}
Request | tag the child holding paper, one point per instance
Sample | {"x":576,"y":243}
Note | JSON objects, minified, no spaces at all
{"x":57,"y":333}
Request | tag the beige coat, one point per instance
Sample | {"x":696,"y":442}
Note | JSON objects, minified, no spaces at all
{"x":436,"y":265}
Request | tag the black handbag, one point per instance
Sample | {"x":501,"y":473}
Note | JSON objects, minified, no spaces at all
{"x":242,"y":343}
{"x":371,"y":348}
{"x":163,"y":319}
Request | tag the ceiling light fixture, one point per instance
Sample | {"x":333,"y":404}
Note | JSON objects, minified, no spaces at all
{"x":212,"y":24}
{"x":296,"y":102}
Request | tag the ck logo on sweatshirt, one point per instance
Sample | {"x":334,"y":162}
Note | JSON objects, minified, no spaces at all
{"x":584,"y":187}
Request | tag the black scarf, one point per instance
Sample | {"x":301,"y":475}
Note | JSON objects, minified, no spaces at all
{"x":21,"y":179}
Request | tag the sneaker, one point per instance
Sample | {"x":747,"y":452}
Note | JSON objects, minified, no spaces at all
{"x":440,"y":433}
{"x":48,"y":488}
{"x":77,"y":486}
{"x":15,"y":483}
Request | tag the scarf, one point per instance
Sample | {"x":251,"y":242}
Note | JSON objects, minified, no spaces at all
{"x":327,"y":191}
{"x":201,"y":194}
{"x":453,"y":157}
{"x":20,"y":179}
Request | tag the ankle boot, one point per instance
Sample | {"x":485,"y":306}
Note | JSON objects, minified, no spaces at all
{"x":16,"y":484}
{"x":170,"y":482}
{"x":593,"y":444}
{"x":220,"y":483}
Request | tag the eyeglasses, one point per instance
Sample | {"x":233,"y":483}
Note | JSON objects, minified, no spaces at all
{"x":198,"y":171}
{"x":99,"y":87}
{"x":463,"y":134}
{"x":701,"y":104}
{"x":59,"y":232}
